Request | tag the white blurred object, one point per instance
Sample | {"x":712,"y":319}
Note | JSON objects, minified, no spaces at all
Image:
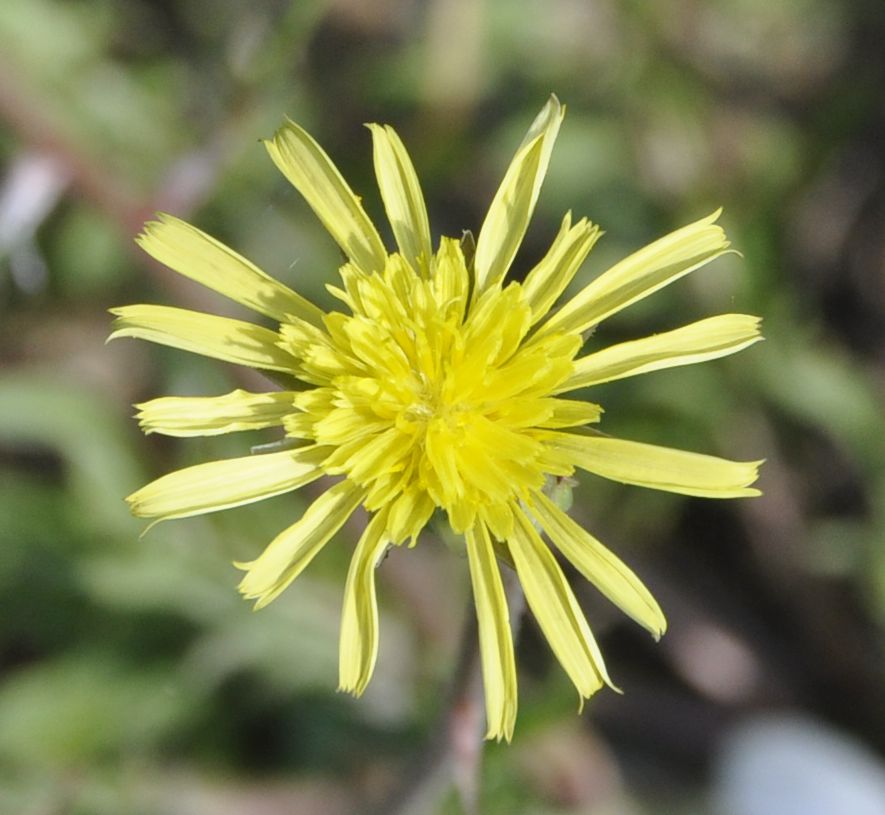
{"x":791,"y":765}
{"x":715,"y":661}
{"x":31,"y":188}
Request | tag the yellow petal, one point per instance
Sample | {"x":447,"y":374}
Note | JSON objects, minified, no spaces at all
{"x":409,"y":514}
{"x":292,"y":550}
{"x":314,"y":175}
{"x":196,"y":255}
{"x":640,"y":274}
{"x":213,"y":415}
{"x":497,"y":517}
{"x":555,"y":608}
{"x":660,"y":468}
{"x":570,"y":413}
{"x":320,"y":358}
{"x":218,"y":337}
{"x":495,"y":638}
{"x":358,"y":643}
{"x":493,"y":331}
{"x":706,"y":339}
{"x":450,"y":279}
{"x":549,"y":279}
{"x":513,"y":204}
{"x":402,"y":197}
{"x":227,"y":483}
{"x":599,"y":565}
{"x":381,"y":454}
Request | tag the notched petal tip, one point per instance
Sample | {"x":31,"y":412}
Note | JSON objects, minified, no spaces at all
{"x":753,"y":476}
{"x":503,"y":733}
{"x":136,"y":503}
{"x":752,"y":471}
{"x":150,"y":226}
{"x":349,"y":689}
{"x":119,"y":313}
{"x":660,"y":631}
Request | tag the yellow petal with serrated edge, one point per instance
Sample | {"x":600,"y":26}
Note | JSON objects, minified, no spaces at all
{"x":194,"y":254}
{"x":402,"y":196}
{"x":659,"y":468}
{"x":214,"y":415}
{"x":640,"y":274}
{"x":217,"y":337}
{"x":599,"y":565}
{"x":358,"y":639}
{"x":514,"y":202}
{"x":287,"y":555}
{"x":227,"y":483}
{"x":313,"y":174}
{"x":571,"y":413}
{"x":706,"y":339}
{"x":495,"y":637}
{"x":553,"y":603}
{"x":549,"y":279}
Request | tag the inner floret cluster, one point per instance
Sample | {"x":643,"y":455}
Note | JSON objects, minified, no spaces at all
{"x":429,"y":401}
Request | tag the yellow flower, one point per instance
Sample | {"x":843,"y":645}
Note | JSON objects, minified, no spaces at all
{"x":439,"y":385}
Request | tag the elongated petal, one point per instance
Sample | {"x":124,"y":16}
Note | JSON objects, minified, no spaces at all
{"x":706,"y":339}
{"x":548,"y":280}
{"x":358,"y":643}
{"x":291,"y":551}
{"x":196,"y":255}
{"x":599,"y":565}
{"x":495,"y":638}
{"x":218,"y":337}
{"x":402,"y":197}
{"x":314,"y":175}
{"x":554,"y":605}
{"x":570,"y":413}
{"x":640,"y":274}
{"x":514,"y":202}
{"x":213,"y":415}
{"x":227,"y":483}
{"x":660,"y":468}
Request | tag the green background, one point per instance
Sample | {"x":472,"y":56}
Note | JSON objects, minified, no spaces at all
{"x":133,"y":678}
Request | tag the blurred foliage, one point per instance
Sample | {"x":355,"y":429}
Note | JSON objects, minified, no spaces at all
{"x":132,"y":676}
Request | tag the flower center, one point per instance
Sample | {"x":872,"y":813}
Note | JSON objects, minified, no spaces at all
{"x":423,"y":388}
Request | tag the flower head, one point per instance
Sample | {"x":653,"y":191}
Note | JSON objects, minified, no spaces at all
{"x":439,"y":385}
